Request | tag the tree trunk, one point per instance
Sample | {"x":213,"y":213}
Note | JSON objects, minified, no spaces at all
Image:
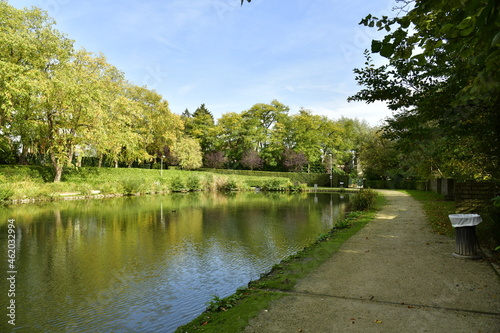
{"x":100,"y":160}
{"x":58,"y":167}
{"x":59,"y":170}
{"x":70,"y":155}
{"x":23,"y":158}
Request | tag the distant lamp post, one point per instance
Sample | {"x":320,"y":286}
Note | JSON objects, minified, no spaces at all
{"x":331,"y":169}
{"x":161,"y":165}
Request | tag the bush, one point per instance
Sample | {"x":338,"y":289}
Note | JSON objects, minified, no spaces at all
{"x":177,"y":184}
{"x":363,"y":200}
{"x":194,"y":183}
{"x":297,"y":187}
{"x":133,"y":186}
{"x":229,"y":185}
{"x":6,"y":192}
{"x":276,"y":184}
{"x":322,"y":179}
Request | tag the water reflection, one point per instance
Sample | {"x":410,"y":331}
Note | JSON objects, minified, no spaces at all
{"x":150,"y":264}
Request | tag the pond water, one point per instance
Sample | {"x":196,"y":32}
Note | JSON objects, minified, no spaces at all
{"x":148,"y":264}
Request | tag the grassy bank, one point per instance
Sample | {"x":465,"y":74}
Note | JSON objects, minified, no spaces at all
{"x":20,"y":183}
{"x":232,"y":314}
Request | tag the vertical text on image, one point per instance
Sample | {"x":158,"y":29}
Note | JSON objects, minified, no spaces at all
{"x":11,"y":272}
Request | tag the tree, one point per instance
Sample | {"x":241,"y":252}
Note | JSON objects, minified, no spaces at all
{"x":156,"y":125}
{"x":30,"y":51}
{"x":293,"y":161}
{"x":442,"y":79}
{"x":264,"y":125}
{"x":263,"y":117}
{"x":306,"y":136}
{"x":200,"y":125}
{"x":251,"y":160}
{"x":70,"y":105}
{"x":355,"y":134}
{"x":234,"y":136}
{"x":215,"y":159}
{"x":187,"y":151}
{"x":380,"y":159}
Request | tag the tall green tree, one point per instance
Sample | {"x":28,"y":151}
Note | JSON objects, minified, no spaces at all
{"x":31,"y":50}
{"x":305,"y":135}
{"x":155,"y":124}
{"x":442,"y":80}
{"x":262,"y":118}
{"x":234,"y":136}
{"x":71,"y":102}
{"x":201,"y":126}
{"x":188,"y":153}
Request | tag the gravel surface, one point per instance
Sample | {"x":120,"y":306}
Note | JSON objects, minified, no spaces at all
{"x":394,"y":275}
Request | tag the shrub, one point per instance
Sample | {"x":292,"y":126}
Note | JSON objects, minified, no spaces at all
{"x":230,"y":184}
{"x":363,"y":200}
{"x":133,"y":185}
{"x":6,"y":192}
{"x":297,"y":187}
{"x":177,"y":184}
{"x":194,"y":183}
{"x":276,"y":184}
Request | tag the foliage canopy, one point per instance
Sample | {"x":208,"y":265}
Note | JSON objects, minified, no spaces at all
{"x":442,"y":80}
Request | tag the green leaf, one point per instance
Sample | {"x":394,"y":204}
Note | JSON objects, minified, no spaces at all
{"x":387,"y":50}
{"x":376,"y":46}
{"x":496,"y":39}
{"x":404,"y":22}
{"x":446,"y":28}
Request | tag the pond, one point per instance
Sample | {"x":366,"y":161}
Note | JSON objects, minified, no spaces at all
{"x":147,"y":264}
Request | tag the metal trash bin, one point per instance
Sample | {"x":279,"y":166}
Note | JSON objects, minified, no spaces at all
{"x":466,"y":244}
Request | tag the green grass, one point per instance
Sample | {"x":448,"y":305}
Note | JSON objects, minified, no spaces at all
{"x":34,"y":182}
{"x":233,"y":313}
{"x":436,"y":209}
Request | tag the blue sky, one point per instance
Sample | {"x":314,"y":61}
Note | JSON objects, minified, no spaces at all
{"x":300,"y":52}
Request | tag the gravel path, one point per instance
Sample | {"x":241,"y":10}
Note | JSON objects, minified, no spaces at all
{"x":392,"y":276}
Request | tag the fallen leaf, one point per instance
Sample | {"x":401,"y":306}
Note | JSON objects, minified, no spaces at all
{"x":378,"y":321}
{"x":410,"y":307}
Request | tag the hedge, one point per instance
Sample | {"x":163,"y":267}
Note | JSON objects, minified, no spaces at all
{"x":322,"y":179}
{"x":396,"y":184}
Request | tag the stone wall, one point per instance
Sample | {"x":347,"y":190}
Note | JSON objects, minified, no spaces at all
{"x":474,"y":197}
{"x":442,"y":186}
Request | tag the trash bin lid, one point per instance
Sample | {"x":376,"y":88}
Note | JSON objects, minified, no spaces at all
{"x":465,"y":220}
